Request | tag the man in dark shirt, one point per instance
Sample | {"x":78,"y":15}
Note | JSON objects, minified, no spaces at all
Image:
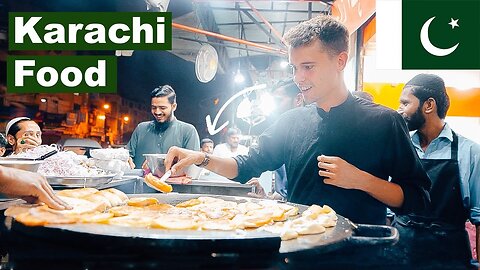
{"x":287,"y":96}
{"x":340,"y":150}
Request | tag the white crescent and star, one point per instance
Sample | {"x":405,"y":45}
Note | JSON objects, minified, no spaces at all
{"x":432,"y":49}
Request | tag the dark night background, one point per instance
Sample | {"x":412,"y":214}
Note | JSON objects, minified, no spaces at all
{"x":145,"y":70}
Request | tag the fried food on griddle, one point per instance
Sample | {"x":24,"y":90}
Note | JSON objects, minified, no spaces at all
{"x":97,"y":198}
{"x":123,"y":197}
{"x":39,"y":217}
{"x":189,"y":203}
{"x":131,"y":221}
{"x":77,"y":192}
{"x":170,"y":222}
{"x":114,"y":199}
{"x":142,"y":201}
{"x":155,"y":183}
{"x":218,"y":225}
{"x":96,"y":218}
{"x":15,"y":210}
{"x":79,"y":206}
{"x":124,"y":210}
{"x":112,"y":207}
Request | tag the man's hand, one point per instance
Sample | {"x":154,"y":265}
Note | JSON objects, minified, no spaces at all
{"x":131,"y":163}
{"x":259,"y":191}
{"x":145,"y":167}
{"x":179,"y":158}
{"x":182,"y":157}
{"x":342,"y":174}
{"x":338,"y":172}
{"x":29,"y":186}
{"x":26,"y":143}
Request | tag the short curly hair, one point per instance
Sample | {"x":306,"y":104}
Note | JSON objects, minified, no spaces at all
{"x":331,"y":33}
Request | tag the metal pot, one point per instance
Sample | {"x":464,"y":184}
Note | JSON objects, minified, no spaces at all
{"x":155,"y":163}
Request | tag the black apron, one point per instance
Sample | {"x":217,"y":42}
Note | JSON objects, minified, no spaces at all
{"x":437,"y":239}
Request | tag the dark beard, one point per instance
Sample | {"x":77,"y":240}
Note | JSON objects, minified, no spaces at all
{"x":416,"y":121}
{"x":159,"y":127}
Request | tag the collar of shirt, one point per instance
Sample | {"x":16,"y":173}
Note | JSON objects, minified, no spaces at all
{"x":337,"y":110}
{"x":445,"y":133}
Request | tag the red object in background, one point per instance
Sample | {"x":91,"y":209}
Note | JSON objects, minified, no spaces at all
{"x":471,"y":236}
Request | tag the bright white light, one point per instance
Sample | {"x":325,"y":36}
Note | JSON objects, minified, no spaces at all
{"x":43,"y":100}
{"x":239,"y":78}
{"x":267,"y":103}
{"x":464,"y":86}
{"x":244,"y":109}
{"x":283,"y":64}
{"x":349,"y":76}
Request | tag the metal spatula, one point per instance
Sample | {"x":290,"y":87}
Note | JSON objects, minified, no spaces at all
{"x":166,"y":176}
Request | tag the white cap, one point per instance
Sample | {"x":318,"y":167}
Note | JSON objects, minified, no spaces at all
{"x":13,"y":122}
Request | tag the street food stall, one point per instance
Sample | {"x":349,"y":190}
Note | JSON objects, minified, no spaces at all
{"x":227,"y":59}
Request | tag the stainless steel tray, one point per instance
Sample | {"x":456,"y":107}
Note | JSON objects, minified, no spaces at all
{"x":80,"y":181}
{"x":212,"y":187}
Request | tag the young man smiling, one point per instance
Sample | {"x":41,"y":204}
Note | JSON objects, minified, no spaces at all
{"x":338,"y":151}
{"x":158,"y":135}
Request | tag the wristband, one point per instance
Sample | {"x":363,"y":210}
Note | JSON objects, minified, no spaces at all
{"x":205,"y":161}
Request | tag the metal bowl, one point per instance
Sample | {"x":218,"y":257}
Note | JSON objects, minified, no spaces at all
{"x":155,"y":163}
{"x":27,"y":165}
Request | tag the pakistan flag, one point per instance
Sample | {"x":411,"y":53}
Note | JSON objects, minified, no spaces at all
{"x":441,"y":34}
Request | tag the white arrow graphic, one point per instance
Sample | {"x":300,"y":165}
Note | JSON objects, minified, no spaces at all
{"x":211,"y":126}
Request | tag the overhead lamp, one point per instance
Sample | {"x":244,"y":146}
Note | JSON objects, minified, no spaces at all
{"x":43,"y":100}
{"x":126,"y":118}
{"x":239,"y":78}
{"x":106,"y":106}
{"x":267,"y":103}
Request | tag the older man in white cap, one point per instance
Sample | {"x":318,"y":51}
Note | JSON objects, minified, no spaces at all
{"x":23,"y":134}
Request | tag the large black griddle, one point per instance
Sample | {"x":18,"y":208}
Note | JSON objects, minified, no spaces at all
{"x":345,"y":233}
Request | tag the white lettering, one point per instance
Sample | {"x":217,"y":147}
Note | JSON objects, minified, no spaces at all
{"x":97,"y":35}
{"x":21,"y":30}
{"x":57,"y":34}
{"x":137,"y":30}
{"x":72,"y":32}
{"x":77,"y":76}
{"x":160,"y":30}
{"x":20,"y":72}
{"x":41,"y":76}
{"x":112,"y":33}
{"x":94,"y":33}
{"x":100,"y":71}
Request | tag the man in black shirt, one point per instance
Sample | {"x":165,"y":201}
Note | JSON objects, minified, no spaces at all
{"x":340,"y":150}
